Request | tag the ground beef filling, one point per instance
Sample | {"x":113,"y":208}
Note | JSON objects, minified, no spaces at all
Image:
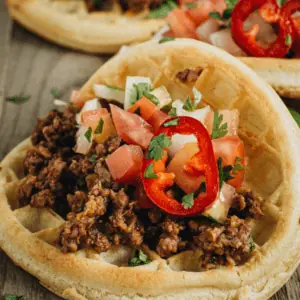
{"x":100,"y":213}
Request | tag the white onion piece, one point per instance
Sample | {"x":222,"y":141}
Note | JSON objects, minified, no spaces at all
{"x":88,"y":105}
{"x":103,"y":91}
{"x":130,"y":82}
{"x":162,"y":94}
{"x":178,"y":141}
{"x":198,"y":114}
{"x":223,"y":39}
{"x":82,"y":144}
{"x":60,"y":103}
{"x":160,"y":33}
{"x":207,"y":28}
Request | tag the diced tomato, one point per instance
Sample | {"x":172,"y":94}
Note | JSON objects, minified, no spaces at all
{"x":125,"y":163}
{"x":141,"y":197}
{"x":184,"y":180}
{"x":231,"y":117}
{"x":181,"y":23}
{"x":146,"y":107}
{"x":91,"y":118}
{"x":131,"y":127}
{"x":229,"y":148}
{"x":157,"y":119}
{"x":75,"y":98}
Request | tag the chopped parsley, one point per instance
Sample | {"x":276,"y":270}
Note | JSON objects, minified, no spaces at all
{"x":18,"y":99}
{"x":99,"y":127}
{"x":166,"y":39}
{"x":149,"y":172}
{"x":188,"y":201}
{"x":218,"y":130}
{"x":138,"y":91}
{"x":56,"y":94}
{"x":231,"y":4}
{"x":252,"y":244}
{"x":288,"y":40}
{"x":173,"y":112}
{"x":237,"y":165}
{"x":189,"y":105}
{"x":93,"y":159}
{"x":173,"y":122}
{"x":191,"y":5}
{"x":140,"y":258}
{"x":295,"y":115}
{"x":225,"y":17}
{"x":157,"y":146}
{"x":163,"y":10}
{"x":224,"y":172}
{"x":215,"y":15}
{"x":88,"y":134}
{"x":13,"y":297}
{"x":167,"y":107}
{"x":113,"y":87}
{"x":152,"y":98}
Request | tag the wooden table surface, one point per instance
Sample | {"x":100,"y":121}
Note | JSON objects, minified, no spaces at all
{"x":32,"y":66}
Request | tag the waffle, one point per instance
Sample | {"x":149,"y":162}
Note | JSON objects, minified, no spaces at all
{"x":272,"y":143}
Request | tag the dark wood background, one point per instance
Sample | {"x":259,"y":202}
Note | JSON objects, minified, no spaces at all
{"x":32,"y":66}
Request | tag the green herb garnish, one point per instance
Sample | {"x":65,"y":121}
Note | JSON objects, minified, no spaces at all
{"x":88,"y":134}
{"x":215,"y":15}
{"x":237,"y":165}
{"x":113,"y":87}
{"x":152,"y":98}
{"x":218,"y":130}
{"x":188,"y":201}
{"x":18,"y":99}
{"x":231,"y":4}
{"x":13,"y":297}
{"x":295,"y":115}
{"x":163,"y":10}
{"x":149,"y":172}
{"x":173,"y":112}
{"x":189,"y":105}
{"x":138,"y":91}
{"x":252,"y":244}
{"x":93,"y":159}
{"x":157,"y":146}
{"x":173,"y":122}
{"x":288,"y":40}
{"x":99,"y":127}
{"x":224,"y":172}
{"x":56,"y":94}
{"x":166,"y":39}
{"x":140,"y":258}
{"x":281,"y":2}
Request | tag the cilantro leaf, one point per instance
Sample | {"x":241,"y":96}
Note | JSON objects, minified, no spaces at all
{"x":237,"y":165}
{"x":140,"y":258}
{"x":188,"y":201}
{"x":99,"y":127}
{"x":215,"y":15}
{"x":166,"y":39}
{"x":149,"y":172}
{"x":231,"y":4}
{"x":93,"y":159}
{"x":88,"y":134}
{"x":197,"y":97}
{"x":152,"y":98}
{"x":138,"y":91}
{"x":18,"y":99}
{"x":295,"y":115}
{"x":163,"y":10}
{"x":113,"y":87}
{"x":173,"y":122}
{"x":55,"y":93}
{"x":167,"y":107}
{"x":173,"y":112}
{"x":288,"y":40}
{"x":13,"y":297}
{"x":224,"y":172}
{"x":157,"y":146}
{"x":218,"y":130}
{"x":252,"y":244}
{"x":189,"y":105}
{"x":281,"y":2}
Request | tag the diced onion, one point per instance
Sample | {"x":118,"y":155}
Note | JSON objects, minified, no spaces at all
{"x":106,"y":92}
{"x":160,"y":33}
{"x":162,"y":94}
{"x":130,"y":82}
{"x":88,"y":105}
{"x":82,"y":144}
{"x":178,"y":141}
{"x":58,"y":102}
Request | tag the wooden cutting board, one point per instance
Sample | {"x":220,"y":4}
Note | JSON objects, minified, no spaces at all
{"x":32,"y":66}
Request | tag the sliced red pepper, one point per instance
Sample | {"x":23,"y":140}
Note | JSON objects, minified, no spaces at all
{"x":246,"y":39}
{"x":156,"y":188}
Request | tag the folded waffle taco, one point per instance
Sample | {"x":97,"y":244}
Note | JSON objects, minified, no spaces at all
{"x":150,"y":186}
{"x":265,"y":33}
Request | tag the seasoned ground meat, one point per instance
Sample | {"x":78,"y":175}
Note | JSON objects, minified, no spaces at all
{"x":100,"y":213}
{"x":188,"y":75}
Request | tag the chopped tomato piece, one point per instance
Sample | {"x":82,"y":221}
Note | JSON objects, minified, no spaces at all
{"x":181,"y":23}
{"x":91,"y":118}
{"x":187,"y":182}
{"x":145,"y":107}
{"x":229,"y":148}
{"x":231,"y":117}
{"x":158,"y":118}
{"x":200,"y":13}
{"x":125,"y":163}
{"x":75,"y":98}
{"x":131,"y":127}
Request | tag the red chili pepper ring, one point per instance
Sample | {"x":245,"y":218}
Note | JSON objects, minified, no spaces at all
{"x":203,"y":162}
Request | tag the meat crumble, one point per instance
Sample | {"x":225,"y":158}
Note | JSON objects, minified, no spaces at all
{"x":100,"y":213}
